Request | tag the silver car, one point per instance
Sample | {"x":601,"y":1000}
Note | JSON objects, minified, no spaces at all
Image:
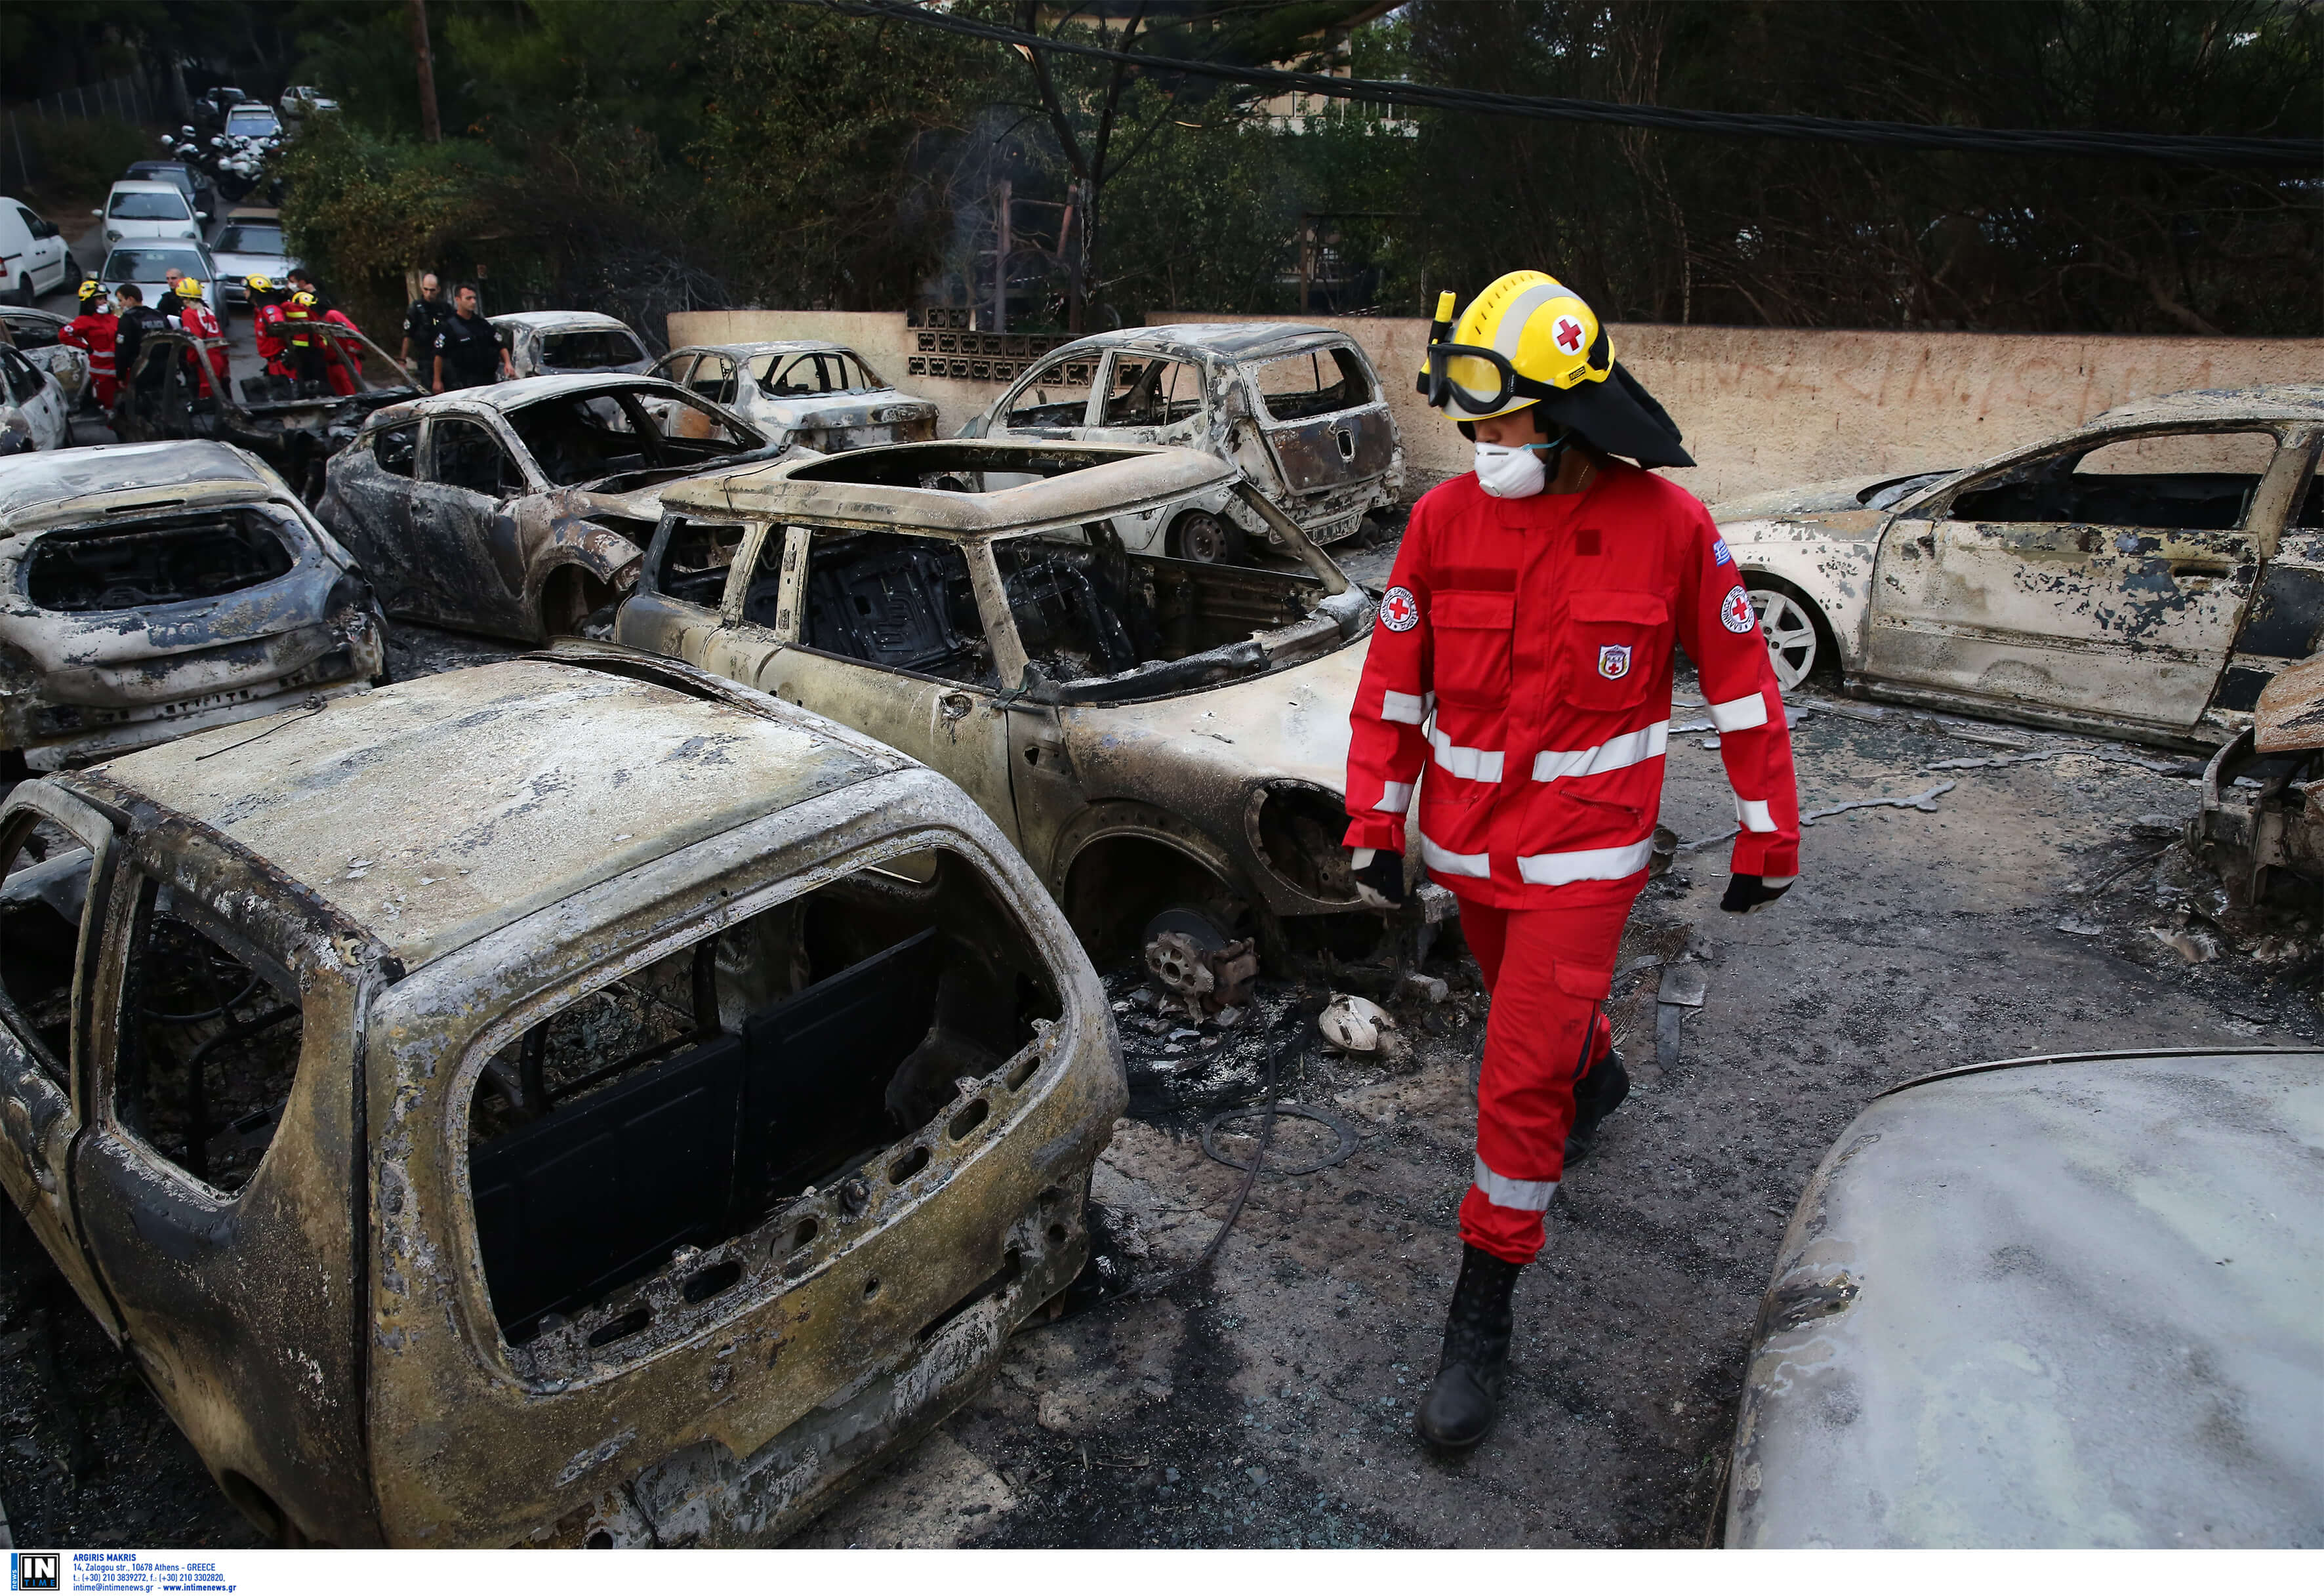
{"x":148,"y":266}
{"x":249,"y":242}
{"x":1297,"y":410}
{"x":819,"y":395}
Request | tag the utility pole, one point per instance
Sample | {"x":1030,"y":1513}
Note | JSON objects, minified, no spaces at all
{"x":431,"y":127}
{"x":1001,"y":261}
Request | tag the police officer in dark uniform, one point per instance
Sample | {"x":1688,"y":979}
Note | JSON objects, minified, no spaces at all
{"x":137,"y":320}
{"x":423,"y":321}
{"x":470,"y":352}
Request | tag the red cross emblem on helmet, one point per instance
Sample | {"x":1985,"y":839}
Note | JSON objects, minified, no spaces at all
{"x":1569,"y":334}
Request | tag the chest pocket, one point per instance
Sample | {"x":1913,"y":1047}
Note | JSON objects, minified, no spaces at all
{"x":1617,"y":646}
{"x":1472,"y":634}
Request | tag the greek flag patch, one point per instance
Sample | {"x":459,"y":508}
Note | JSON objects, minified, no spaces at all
{"x":1718,"y":552}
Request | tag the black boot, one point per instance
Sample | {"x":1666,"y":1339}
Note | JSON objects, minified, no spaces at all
{"x":1595,"y":1095}
{"x":1466,"y":1395}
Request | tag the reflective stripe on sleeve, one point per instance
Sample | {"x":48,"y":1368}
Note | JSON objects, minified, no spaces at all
{"x":1532,"y":1195}
{"x":1406,"y":709}
{"x":1396,"y":798}
{"x":1473,"y":764}
{"x":1741,"y":715}
{"x":1615,"y":753}
{"x":1753,"y":814}
{"x":1476,"y":864}
{"x":1585,"y":865}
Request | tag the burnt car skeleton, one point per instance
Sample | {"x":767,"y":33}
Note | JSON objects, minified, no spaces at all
{"x":2143,"y":575}
{"x":571,"y":1101}
{"x":1160,"y":737}
{"x":566,"y":343}
{"x":2049,"y":1301}
{"x":152,"y":590}
{"x":2261,"y":826}
{"x":164,"y":396}
{"x":816,"y":395}
{"x":519,"y":510}
{"x":1297,"y":410}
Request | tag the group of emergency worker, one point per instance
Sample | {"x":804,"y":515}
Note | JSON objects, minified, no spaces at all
{"x":292,"y":321}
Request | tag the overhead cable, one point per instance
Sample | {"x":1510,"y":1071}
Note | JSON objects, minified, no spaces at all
{"x":2186,"y":148}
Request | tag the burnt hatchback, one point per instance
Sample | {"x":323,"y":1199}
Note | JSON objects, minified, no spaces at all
{"x":571,"y":1101}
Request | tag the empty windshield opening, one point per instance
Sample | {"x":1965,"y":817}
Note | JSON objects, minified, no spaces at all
{"x":2172,"y":482}
{"x":665,"y":1125}
{"x":154,"y":562}
{"x":825,"y":372}
{"x":1314,"y":382}
{"x":589,"y":350}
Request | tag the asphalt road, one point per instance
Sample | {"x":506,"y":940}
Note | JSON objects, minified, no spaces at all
{"x":1269,"y":1403}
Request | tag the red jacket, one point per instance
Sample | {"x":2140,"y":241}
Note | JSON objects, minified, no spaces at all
{"x":94,"y":334}
{"x":1537,"y":633}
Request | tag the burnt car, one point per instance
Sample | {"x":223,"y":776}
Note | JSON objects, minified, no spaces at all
{"x":519,"y":510}
{"x":571,"y":1101}
{"x":2261,"y":826}
{"x":2066,"y":1301}
{"x":294,"y":427}
{"x":152,"y":590}
{"x":1164,"y":739}
{"x":566,"y":343}
{"x":817,"y":394}
{"x":1297,"y":410}
{"x":2143,"y":575}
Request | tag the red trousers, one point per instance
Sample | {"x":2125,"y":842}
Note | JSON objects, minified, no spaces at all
{"x":1548,"y":971}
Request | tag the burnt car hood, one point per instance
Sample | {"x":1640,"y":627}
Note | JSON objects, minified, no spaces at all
{"x":1291,"y":722}
{"x":818,"y":411}
{"x":1840,"y":496}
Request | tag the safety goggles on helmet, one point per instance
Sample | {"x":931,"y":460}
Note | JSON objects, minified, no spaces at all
{"x":1483,"y":382}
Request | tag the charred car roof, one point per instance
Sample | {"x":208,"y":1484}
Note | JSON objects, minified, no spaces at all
{"x":505,"y":397}
{"x":879,"y":488}
{"x":435,"y":811}
{"x":1224,"y":340}
{"x":2278,"y":402}
{"x":771,"y":347}
{"x":551,"y":320}
{"x":40,"y":490}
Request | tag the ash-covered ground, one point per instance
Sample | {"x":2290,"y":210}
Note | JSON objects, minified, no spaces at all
{"x":2036,"y":904}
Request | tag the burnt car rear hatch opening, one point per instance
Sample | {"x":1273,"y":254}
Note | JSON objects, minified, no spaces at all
{"x":167,"y":559}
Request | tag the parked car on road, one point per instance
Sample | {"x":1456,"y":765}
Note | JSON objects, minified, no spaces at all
{"x":648,"y":1106}
{"x":1155,"y":735}
{"x":819,"y":395}
{"x":295,"y":434}
{"x":1297,"y":410}
{"x":566,"y":343}
{"x":33,"y":405}
{"x":158,"y":589}
{"x":253,"y":119}
{"x":35,"y":259}
{"x":197,"y":186}
{"x":2068,"y":1301}
{"x":520,"y":510}
{"x":139,"y":210}
{"x":148,"y":266}
{"x":2143,"y":575}
{"x":250,"y":241}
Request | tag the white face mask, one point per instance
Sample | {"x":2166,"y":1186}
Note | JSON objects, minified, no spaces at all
{"x":1516,"y":472}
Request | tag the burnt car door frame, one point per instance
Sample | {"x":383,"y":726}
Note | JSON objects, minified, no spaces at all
{"x":44,"y":1102}
{"x":462,"y":536}
{"x":2227,"y":564}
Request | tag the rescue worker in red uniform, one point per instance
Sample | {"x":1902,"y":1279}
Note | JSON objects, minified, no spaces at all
{"x":96,"y":329}
{"x":305,"y":357}
{"x":337,"y":358}
{"x":1523,"y":656}
{"x":266,"y":323}
{"x":201,"y":322}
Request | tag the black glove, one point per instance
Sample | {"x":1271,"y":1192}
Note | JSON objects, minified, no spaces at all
{"x":1384,"y":875}
{"x":1749,"y":894}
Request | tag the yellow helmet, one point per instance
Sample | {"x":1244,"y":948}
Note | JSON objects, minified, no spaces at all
{"x":303,"y":298}
{"x":189,"y":287}
{"x":259,"y":282}
{"x":90,"y":288}
{"x":1525,"y":338}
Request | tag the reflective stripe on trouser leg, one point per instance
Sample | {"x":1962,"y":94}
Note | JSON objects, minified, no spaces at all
{"x":1538,"y":1037}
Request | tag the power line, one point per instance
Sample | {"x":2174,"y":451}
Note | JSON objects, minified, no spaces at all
{"x":2187,"y":149}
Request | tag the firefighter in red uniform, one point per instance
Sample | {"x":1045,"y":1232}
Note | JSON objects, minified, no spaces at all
{"x":305,"y":355}
{"x":201,"y":322}
{"x":1523,"y":655}
{"x":266,"y":323}
{"x":337,"y":358}
{"x":96,"y":329}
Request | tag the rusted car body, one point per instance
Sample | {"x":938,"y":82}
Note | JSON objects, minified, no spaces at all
{"x":571,"y":343}
{"x":2142,"y":577}
{"x":1152,"y":733}
{"x":152,"y":590}
{"x":1297,"y":410}
{"x":164,"y":397}
{"x":2049,"y":1301}
{"x":571,"y":1101}
{"x":2266,"y":840}
{"x":519,"y":510}
{"x":817,"y":394}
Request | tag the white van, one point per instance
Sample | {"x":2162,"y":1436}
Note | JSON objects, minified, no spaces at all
{"x":138,"y":211}
{"x":32,"y":253}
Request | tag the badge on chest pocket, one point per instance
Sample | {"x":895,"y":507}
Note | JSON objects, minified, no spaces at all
{"x":1614,"y":661}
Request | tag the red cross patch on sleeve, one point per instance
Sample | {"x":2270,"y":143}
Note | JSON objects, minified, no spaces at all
{"x":1399,"y":611}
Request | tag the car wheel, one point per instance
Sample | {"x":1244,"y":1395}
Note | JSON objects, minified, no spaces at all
{"x":571,"y":597}
{"x":1205,"y":539}
{"x":1793,"y":631}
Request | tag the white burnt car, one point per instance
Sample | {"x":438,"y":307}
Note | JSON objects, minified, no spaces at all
{"x":1296,"y":410}
{"x":565,"y":343}
{"x":819,"y":395}
{"x":2145,"y":575}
